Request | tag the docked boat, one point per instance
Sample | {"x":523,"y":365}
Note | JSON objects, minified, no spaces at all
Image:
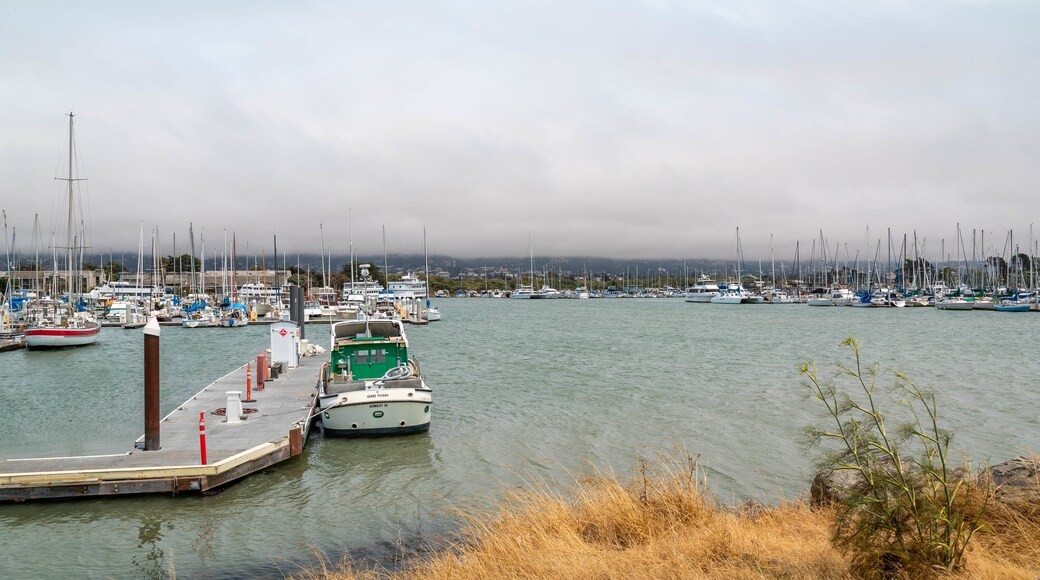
{"x":777,"y":296}
{"x":371,"y":386}
{"x":952,"y":303}
{"x":835,"y":296}
{"x":524,"y":291}
{"x":117,"y":313}
{"x":735,"y":293}
{"x":312,"y":310}
{"x":54,"y":323}
{"x":864,"y":299}
{"x":326,"y":300}
{"x":703,"y":291}
{"x":135,"y":317}
{"x":234,"y":316}
{"x":546,"y":293}
{"x":1002,"y":306}
{"x":431,"y":313}
{"x":198,"y":314}
{"x":57,"y":325}
{"x":985,"y":303}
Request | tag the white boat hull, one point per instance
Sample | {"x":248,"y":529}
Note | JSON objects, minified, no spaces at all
{"x":376,"y":412}
{"x":61,"y":337}
{"x":728,"y":299}
{"x":701,"y":297}
{"x":953,"y":305}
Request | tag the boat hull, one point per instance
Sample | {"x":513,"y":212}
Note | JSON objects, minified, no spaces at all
{"x":729,"y":299}
{"x":1011,"y":308}
{"x":953,"y":305}
{"x":61,"y":337}
{"x":700,"y":297}
{"x":343,"y":416}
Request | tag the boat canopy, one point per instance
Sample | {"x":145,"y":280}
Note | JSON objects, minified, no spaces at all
{"x":368,"y":328}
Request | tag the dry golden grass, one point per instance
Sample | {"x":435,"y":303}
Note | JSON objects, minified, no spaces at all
{"x":667,"y":525}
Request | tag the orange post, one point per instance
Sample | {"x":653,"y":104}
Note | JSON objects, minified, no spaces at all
{"x":249,"y":384}
{"x":202,"y":436}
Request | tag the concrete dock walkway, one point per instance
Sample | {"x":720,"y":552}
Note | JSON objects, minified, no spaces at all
{"x":274,"y":432}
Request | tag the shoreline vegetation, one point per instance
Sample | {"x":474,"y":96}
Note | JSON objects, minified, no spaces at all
{"x":664,"y":522}
{"x":886,"y":503}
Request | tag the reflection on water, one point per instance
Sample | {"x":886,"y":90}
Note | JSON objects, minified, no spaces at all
{"x":523,"y":391}
{"x":148,"y":560}
{"x":202,"y":545}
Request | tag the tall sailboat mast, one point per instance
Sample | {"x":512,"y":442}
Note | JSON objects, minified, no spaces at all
{"x":324,"y":281}
{"x":530,"y":242}
{"x":426,"y":266}
{"x":350,"y":235}
{"x":70,"y":236}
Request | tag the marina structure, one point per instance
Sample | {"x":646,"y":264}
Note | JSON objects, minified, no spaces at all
{"x":212,"y":439}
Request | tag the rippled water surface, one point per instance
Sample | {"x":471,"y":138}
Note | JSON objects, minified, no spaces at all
{"x":523,"y":391}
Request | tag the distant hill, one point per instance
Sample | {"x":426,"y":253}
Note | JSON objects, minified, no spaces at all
{"x":401,"y":263}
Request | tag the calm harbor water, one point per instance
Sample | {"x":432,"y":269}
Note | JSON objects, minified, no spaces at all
{"x":523,"y":391}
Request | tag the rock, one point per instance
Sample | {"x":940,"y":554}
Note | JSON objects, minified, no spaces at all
{"x":833,"y":486}
{"x":1016,"y":480}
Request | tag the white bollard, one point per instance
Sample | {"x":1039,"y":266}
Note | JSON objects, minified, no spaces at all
{"x":234,"y":406}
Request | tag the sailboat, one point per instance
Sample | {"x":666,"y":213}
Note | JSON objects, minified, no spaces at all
{"x":734,"y":292}
{"x":57,"y":323}
{"x":430,"y":313}
{"x":197,"y":314}
{"x":7,"y":311}
{"x":525,"y":291}
{"x":233,"y":314}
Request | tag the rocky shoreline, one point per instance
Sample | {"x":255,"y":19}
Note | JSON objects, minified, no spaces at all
{"x":1014,"y":481}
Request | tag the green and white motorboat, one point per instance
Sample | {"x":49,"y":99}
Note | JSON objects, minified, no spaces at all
{"x":370,"y":386}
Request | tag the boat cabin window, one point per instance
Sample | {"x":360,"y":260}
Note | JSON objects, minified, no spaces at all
{"x":367,"y":357}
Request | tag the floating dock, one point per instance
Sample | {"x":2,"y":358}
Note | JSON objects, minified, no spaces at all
{"x":274,"y":428}
{"x":11,"y":344}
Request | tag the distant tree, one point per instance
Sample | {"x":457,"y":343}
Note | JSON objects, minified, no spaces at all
{"x":1023,"y":263}
{"x":303,"y":277}
{"x":178,"y":264}
{"x":113,"y":270}
{"x":999,"y":266}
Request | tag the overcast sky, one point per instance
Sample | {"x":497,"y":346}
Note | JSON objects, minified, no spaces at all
{"x":619,"y":129}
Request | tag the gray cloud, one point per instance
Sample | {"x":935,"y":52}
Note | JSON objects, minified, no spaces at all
{"x":617,"y":129}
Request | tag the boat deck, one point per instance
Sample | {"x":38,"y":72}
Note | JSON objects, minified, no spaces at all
{"x":274,"y":432}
